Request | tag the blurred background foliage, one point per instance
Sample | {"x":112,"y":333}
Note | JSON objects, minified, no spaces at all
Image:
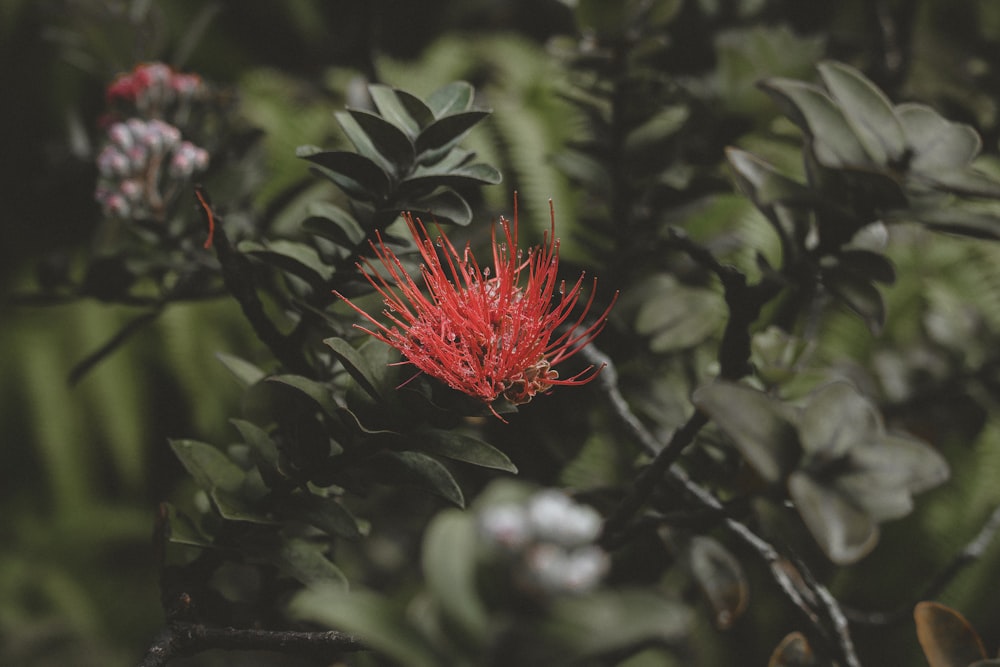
{"x":83,"y":467}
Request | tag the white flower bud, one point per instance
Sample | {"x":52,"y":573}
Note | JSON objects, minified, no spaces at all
{"x":505,"y":526}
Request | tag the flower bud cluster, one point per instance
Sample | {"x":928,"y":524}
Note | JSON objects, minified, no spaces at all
{"x":154,"y":87}
{"x":141,"y":164}
{"x":550,"y":541}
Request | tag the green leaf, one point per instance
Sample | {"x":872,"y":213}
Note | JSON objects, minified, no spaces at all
{"x":443,"y":205}
{"x":325,"y":513}
{"x":378,"y":623}
{"x":764,"y":184}
{"x":258,"y":439}
{"x":419,"y":470}
{"x":836,"y":419}
{"x":182,"y":530}
{"x":760,"y":426}
{"x":858,"y":294}
{"x":833,"y":141}
{"x":306,"y":562}
{"x":968,"y":182}
{"x":233,"y":507}
{"x":210,"y":467}
{"x":356,"y":365}
{"x":957,"y":220}
{"x":720,"y":577}
{"x":842,"y":529}
{"x":390,"y":141}
{"x":662,"y":125}
{"x":452,"y":98}
{"x":438,"y":137}
{"x":467,"y":176}
{"x":946,"y":636}
{"x":936,"y":143}
{"x":607,"y":622}
{"x":401,"y":109}
{"x":317,"y":392}
{"x":246,"y":373}
{"x":867,"y":264}
{"x":868,"y":111}
{"x":461,"y":447}
{"x":296,"y":258}
{"x":334,"y":223}
{"x":355,"y":174}
{"x":449,"y":563}
{"x":676,"y":317}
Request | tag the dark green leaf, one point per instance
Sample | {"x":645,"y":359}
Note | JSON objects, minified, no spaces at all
{"x":401,"y":109}
{"x":390,"y":141}
{"x":760,"y":426}
{"x":868,"y":111}
{"x":333,"y":223}
{"x":467,"y":176}
{"x":451,"y":98}
{"x":210,"y":467}
{"x":842,"y":529}
{"x":721,"y":579}
{"x":764,"y":184}
{"x":258,"y":439}
{"x":327,"y":514}
{"x":182,"y":529}
{"x":356,"y":365}
{"x":233,"y":507}
{"x":445,"y":132}
{"x":449,"y":563}
{"x":377,"y":622}
{"x":833,"y":140}
{"x":444,"y":205}
{"x":297,"y":258}
{"x":422,"y":471}
{"x":860,"y":295}
{"x":247,"y":373}
{"x":318,"y":392}
{"x":306,"y":561}
{"x":357,"y":175}
{"x":946,"y":637}
{"x":868,"y":264}
{"x":958,"y":220}
{"x":461,"y":447}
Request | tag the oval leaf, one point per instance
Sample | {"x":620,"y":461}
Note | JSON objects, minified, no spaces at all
{"x":868,"y":111}
{"x":720,"y":577}
{"x":451,"y":98}
{"x":449,"y":563}
{"x":946,"y":637}
{"x":446,"y":131}
{"x":210,"y":467}
{"x":355,"y":174}
{"x":760,"y":426}
{"x":793,"y":651}
{"x":461,"y":447}
{"x":390,"y":141}
{"x":843,"y":530}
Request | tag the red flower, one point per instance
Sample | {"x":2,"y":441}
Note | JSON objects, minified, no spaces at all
{"x":481,"y":331}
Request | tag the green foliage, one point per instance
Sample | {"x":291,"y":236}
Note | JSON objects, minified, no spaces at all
{"x":746,"y":443}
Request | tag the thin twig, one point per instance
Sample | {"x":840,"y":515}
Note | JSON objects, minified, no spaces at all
{"x":132,"y":326}
{"x":972,"y":552}
{"x":794,"y":580}
{"x":185,"y":639}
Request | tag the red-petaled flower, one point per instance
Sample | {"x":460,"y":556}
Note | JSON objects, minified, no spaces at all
{"x":480,"y":330}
